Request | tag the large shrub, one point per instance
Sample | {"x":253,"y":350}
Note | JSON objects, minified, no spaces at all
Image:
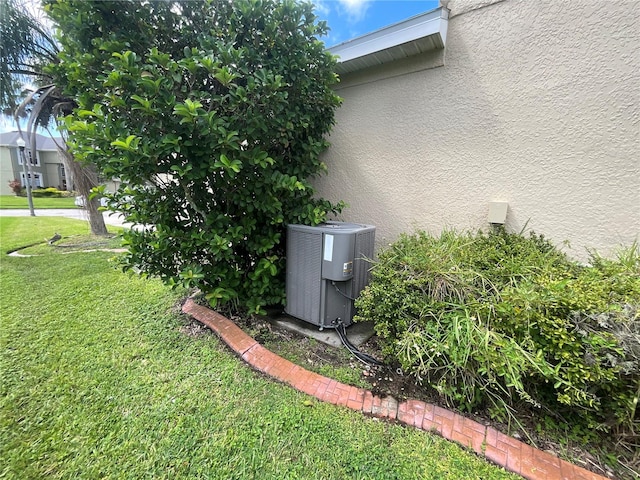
{"x":498,"y":318}
{"x":213,"y":115}
{"x":50,"y":192}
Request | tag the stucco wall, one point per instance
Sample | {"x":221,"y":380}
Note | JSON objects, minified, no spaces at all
{"x":536,"y":103}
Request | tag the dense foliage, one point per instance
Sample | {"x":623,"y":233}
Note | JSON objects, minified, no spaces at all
{"x":213,"y":115}
{"x":500,"y":318}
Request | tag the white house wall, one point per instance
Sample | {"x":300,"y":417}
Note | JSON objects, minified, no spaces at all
{"x":6,"y":171}
{"x":51,"y":162}
{"x":537,"y":104}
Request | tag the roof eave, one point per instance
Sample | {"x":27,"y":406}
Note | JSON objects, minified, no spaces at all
{"x":421,"y":33}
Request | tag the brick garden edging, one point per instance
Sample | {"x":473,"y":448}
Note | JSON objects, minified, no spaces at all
{"x":488,"y":442}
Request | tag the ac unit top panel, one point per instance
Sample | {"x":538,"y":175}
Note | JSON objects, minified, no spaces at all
{"x":333,"y":227}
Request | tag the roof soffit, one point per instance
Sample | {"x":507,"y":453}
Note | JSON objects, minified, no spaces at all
{"x":421,"y":33}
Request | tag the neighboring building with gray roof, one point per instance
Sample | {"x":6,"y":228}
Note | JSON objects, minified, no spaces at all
{"x":47,"y":165}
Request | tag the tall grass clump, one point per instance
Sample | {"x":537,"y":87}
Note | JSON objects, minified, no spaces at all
{"x":496,"y":319}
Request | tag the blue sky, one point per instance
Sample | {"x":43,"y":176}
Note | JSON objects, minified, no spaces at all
{"x":352,"y":18}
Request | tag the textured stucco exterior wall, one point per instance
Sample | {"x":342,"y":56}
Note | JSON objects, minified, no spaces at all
{"x":536,"y":103}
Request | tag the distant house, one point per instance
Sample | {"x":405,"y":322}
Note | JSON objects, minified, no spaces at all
{"x":46,"y":165}
{"x":533,"y":104}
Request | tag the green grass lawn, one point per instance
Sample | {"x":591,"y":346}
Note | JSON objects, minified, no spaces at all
{"x":99,"y":381}
{"x":11,"y":201}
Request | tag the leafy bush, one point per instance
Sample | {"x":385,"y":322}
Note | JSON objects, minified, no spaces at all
{"x":214,"y":119}
{"x":16,"y":186}
{"x":498,"y":318}
{"x":50,"y":192}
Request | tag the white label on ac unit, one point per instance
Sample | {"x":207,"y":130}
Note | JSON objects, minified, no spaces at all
{"x":328,"y":248}
{"x":347,"y":268}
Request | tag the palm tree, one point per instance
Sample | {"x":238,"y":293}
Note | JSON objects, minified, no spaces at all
{"x":27,"y":46}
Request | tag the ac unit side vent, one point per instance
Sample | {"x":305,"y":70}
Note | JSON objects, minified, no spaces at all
{"x":303,"y":282}
{"x":362,"y":263}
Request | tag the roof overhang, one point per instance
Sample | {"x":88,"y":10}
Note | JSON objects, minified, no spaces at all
{"x":422,"y":33}
{"x":43,"y":143}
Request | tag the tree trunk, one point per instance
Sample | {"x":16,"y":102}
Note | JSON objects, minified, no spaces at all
{"x":85,"y":178}
{"x":96,"y":220}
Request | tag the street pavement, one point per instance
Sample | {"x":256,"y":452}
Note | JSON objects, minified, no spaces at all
{"x":110,"y":218}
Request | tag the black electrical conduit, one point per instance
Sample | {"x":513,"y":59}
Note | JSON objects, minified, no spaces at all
{"x":363,"y":357}
{"x":342,"y":333}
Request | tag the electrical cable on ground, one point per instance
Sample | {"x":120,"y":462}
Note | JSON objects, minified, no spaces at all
{"x":363,"y":357}
{"x":342,"y":333}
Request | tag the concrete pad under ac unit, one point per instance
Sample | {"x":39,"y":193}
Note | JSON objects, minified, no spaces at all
{"x":358,"y":333}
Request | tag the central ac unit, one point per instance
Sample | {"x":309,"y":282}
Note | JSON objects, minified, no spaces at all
{"x":327,"y":267}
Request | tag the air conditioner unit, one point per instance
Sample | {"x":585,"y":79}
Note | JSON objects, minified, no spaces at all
{"x":327,"y":267}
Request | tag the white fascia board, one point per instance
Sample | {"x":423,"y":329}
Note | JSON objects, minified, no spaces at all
{"x":420,"y":26}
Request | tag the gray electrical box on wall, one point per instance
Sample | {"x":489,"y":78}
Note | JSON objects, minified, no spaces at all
{"x":327,"y":267}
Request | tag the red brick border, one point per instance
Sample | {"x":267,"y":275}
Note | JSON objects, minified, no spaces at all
{"x":512,"y":454}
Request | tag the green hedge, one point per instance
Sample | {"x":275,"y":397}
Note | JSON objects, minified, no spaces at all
{"x":496,"y":318}
{"x":50,"y":192}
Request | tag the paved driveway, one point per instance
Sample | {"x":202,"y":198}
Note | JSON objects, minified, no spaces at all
{"x":110,"y":218}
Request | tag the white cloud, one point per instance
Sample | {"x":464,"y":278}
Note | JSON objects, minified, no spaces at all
{"x":322,"y":8}
{"x":356,"y":9}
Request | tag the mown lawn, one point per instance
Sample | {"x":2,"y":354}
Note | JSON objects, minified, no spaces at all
{"x":99,"y":381}
{"x":11,"y":201}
